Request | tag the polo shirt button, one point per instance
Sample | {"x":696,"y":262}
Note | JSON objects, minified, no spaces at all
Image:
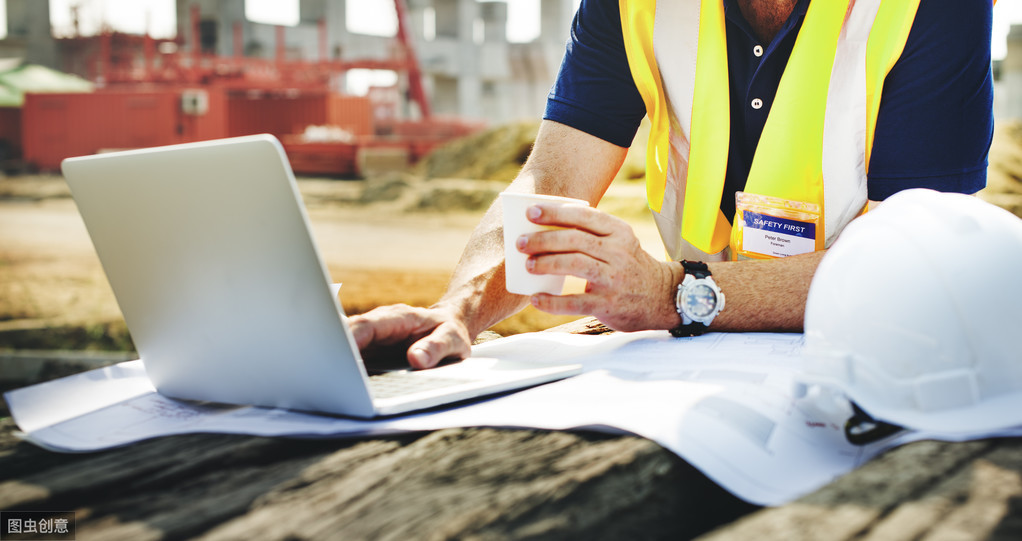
{"x":757,"y":50}
{"x":757,"y":103}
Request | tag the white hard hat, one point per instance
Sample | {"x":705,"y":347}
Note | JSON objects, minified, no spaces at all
{"x":915,"y":313}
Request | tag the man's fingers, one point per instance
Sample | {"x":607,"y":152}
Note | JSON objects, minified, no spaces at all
{"x":575,"y":216}
{"x":434,"y":334}
{"x":580,"y":304}
{"x":579,"y":265}
{"x":362,"y":330}
{"x":389,"y":324}
{"x":563,"y":241}
{"x":447,"y":340}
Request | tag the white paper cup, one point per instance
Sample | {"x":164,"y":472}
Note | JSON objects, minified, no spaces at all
{"x":518,"y":279}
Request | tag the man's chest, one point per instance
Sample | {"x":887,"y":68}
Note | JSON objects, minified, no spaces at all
{"x":766,"y":17}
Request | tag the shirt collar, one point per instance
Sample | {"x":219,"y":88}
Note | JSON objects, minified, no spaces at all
{"x":733,"y":14}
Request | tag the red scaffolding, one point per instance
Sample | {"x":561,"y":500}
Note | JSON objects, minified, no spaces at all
{"x":229,"y":95}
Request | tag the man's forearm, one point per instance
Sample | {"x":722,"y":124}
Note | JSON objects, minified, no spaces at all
{"x":476,"y":290}
{"x":564,"y":161}
{"x":764,"y":295}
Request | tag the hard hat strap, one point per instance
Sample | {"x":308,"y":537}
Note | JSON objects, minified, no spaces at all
{"x":863,"y":429}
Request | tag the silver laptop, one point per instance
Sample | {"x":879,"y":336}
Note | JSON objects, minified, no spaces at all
{"x":208,"y":249}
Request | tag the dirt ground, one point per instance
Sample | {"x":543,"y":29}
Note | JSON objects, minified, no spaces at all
{"x":388,"y":240}
{"x":392,"y":248}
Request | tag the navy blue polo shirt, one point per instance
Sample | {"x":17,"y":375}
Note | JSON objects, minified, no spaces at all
{"x":935,"y":121}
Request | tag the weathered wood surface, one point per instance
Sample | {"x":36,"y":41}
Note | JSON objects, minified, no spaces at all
{"x":450,"y":484}
{"x":494,"y":484}
{"x":925,"y":490}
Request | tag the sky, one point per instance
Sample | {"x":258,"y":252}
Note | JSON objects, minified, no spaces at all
{"x":370,"y":16}
{"x":364,"y":16}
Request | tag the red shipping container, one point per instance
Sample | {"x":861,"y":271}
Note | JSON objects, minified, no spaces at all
{"x":276,"y":114}
{"x":334,"y":159}
{"x":353,"y":114}
{"x":10,"y":132}
{"x":57,"y":126}
{"x":208,"y":124}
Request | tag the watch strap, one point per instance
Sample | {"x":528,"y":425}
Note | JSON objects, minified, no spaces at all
{"x":698,"y":269}
{"x":692,"y":329}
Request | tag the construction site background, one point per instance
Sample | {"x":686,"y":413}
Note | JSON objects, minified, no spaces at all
{"x":453,"y":71}
{"x":391,"y":233}
{"x":388,"y":239}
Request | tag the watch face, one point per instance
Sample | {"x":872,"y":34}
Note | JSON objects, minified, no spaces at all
{"x":699,"y":301}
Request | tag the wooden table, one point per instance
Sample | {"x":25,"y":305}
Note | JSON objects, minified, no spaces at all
{"x":459,"y":483}
{"x":925,"y":490}
{"x":493,"y":484}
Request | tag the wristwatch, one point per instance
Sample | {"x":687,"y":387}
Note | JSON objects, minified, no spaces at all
{"x":697,"y":301}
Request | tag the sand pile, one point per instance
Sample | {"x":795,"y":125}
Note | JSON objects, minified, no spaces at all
{"x":494,"y":154}
{"x":468,"y":173}
{"x":499,"y":153}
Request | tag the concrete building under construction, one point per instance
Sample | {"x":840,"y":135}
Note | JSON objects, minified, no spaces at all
{"x":468,"y":66}
{"x":451,"y":71}
{"x":1008,"y":90}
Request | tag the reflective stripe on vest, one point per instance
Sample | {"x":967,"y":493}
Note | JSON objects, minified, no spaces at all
{"x":816,"y":143}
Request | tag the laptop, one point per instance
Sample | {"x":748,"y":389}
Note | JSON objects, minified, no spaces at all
{"x":209,"y":253}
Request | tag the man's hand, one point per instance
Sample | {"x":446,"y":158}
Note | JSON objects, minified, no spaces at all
{"x":429,"y":335}
{"x":627,"y":288}
{"x":564,"y":161}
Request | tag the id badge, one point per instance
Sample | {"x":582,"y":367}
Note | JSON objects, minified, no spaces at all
{"x":769,"y":227}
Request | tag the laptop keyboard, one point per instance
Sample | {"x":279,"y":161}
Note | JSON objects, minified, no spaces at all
{"x":398,"y":383}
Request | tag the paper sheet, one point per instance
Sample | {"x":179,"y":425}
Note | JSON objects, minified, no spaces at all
{"x":730,"y":404}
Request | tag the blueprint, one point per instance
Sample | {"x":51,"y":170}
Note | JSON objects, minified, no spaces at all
{"x":731,"y":404}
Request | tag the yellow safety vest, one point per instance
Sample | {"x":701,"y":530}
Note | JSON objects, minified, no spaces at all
{"x":816,"y":143}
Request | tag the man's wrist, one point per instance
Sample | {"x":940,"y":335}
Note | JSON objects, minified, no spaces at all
{"x":479,"y":304}
{"x":454,"y":311}
{"x":676,"y":275}
{"x":698,"y":299}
